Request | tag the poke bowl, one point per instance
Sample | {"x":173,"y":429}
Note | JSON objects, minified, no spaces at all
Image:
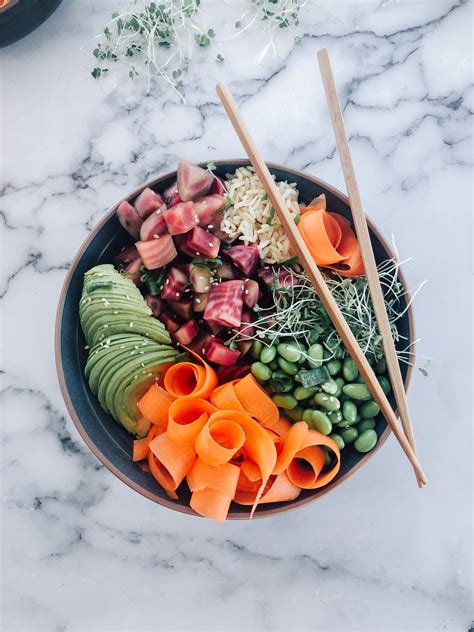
{"x":231,"y":353}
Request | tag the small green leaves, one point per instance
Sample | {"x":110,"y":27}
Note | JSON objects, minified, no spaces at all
{"x":238,"y":24}
{"x":219,"y":58}
{"x":204,"y":39}
{"x":211,"y":166}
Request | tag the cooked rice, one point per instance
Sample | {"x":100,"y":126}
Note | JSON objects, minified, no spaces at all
{"x":250,"y":216}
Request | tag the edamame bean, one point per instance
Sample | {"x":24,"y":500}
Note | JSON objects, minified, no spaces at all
{"x":256,"y":349}
{"x":303,"y":393}
{"x":335,"y":416}
{"x":334,"y":366}
{"x":360,"y":392}
{"x":365,"y":441}
{"x":349,"y":411}
{"x":349,"y":370}
{"x":359,"y":379}
{"x":338,"y":440}
{"x":358,"y":417}
{"x":381,"y":365}
{"x":308,"y":415}
{"x":340,"y":383}
{"x":288,"y":402}
{"x":288,"y":367}
{"x":369,"y":409}
{"x":385,"y":384}
{"x":339,"y":353}
{"x":329,"y":402}
{"x":315,"y":353}
{"x":330,"y":387}
{"x":321,"y":422}
{"x":268,"y":354}
{"x":282,"y":382}
{"x":366,"y":424}
{"x":327,"y":456}
{"x":273,"y":365}
{"x":349,"y":435}
{"x":295,"y":414}
{"x":261,"y":371}
{"x":289,"y":352}
{"x":304,"y":353}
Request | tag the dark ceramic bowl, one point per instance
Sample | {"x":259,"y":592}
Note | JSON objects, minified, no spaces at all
{"x":22,"y":17}
{"x":106,"y":438}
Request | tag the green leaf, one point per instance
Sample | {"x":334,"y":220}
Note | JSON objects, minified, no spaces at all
{"x":211,"y":33}
{"x":238,"y":24}
{"x":219,"y":58}
{"x":271,"y":216}
{"x":107,"y":33}
{"x":96,"y":72}
{"x":207,"y":262}
{"x":211,"y":166}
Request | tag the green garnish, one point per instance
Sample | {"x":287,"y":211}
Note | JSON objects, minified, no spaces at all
{"x":207,"y":262}
{"x":219,"y":59}
{"x":313,"y":377}
{"x":153,"y":279}
{"x":211,"y":166}
{"x":271,"y":215}
{"x":297,"y":218}
{"x":290,"y":262}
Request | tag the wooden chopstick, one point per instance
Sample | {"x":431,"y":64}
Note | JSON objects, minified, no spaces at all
{"x":300,"y":249}
{"x":362,"y":230}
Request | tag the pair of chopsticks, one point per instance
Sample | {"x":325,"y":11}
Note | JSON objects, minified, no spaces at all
{"x":299,"y":248}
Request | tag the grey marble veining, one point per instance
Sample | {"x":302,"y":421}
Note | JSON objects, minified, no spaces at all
{"x":82,"y":552}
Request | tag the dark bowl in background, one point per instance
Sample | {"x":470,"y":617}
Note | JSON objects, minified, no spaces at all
{"x":105,"y":437}
{"x":23,"y":17}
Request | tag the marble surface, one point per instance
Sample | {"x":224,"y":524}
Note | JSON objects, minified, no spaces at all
{"x":81,"y":551}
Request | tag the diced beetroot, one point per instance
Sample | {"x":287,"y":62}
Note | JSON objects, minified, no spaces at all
{"x":246,"y":258}
{"x":183,"y":307}
{"x":267,"y":274}
{"x":199,"y":343}
{"x":174,"y":285}
{"x":228,"y":373}
{"x":207,"y":209}
{"x":200,"y":278}
{"x":186,"y":333}
{"x":126,"y":256}
{"x":147,"y":202}
{"x":156,"y":305}
{"x":157,"y":253}
{"x":185,"y":268}
{"x":180,"y":218}
{"x":133,"y":272}
{"x":170,"y":321}
{"x":225,"y":303}
{"x":200,"y":302}
{"x":217,"y":186}
{"x":154,"y":225}
{"x":246,"y":330}
{"x":283,"y":277}
{"x":214,"y":328}
{"x":202,"y":244}
{"x":286,"y":278}
{"x":251,"y":293}
{"x":225,"y":271}
{"x":193,"y":181}
{"x":171,"y":195}
{"x":129,"y":219}
{"x":216,"y":351}
{"x":244,"y":347}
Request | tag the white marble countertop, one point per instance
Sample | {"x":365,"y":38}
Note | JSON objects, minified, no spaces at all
{"x":81,"y":551}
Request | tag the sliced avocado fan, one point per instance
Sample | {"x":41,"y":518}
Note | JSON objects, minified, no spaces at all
{"x":127,"y":346}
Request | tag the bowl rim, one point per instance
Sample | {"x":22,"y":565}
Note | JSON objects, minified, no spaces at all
{"x":264,"y":512}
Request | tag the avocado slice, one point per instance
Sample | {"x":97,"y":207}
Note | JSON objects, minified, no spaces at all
{"x":108,"y":356}
{"x":111,"y":307}
{"x":103,"y":349}
{"x":143,"y":325}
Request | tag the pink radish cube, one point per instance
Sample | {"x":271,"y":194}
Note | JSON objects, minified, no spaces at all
{"x":201,"y":243}
{"x":157,"y":253}
{"x":193,"y":181}
{"x":154,"y":226}
{"x":129,"y":219}
{"x":246,"y":258}
{"x":216,"y":351}
{"x":147,"y":202}
{"x":180,"y":218}
{"x":225,"y":304}
{"x":174,"y":285}
{"x":186,"y":333}
{"x":208,"y":210}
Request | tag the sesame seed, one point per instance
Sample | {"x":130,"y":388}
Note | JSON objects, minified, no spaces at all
{"x":202,"y":350}
{"x":131,"y":324}
{"x":86,"y":347}
{"x":150,"y":374}
{"x":197,"y":253}
{"x":177,"y":294}
{"x":210,"y":244}
{"x":132,"y":352}
{"x":198,"y":301}
{"x":246,"y":291}
{"x":196,"y":217}
{"x":115,"y":312}
{"x":211,"y":226}
{"x":156,"y":236}
{"x":167,"y":281}
{"x":207,"y":288}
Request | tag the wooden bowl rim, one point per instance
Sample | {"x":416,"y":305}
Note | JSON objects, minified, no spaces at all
{"x":263,"y":511}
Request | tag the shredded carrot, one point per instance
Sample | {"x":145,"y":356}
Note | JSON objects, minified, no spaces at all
{"x":225,"y":397}
{"x":154,"y":405}
{"x":187,"y":415}
{"x":211,"y":504}
{"x":222,"y":478}
{"x":219,"y":440}
{"x":161,"y":475}
{"x":292,"y":442}
{"x":140,"y":446}
{"x":176,"y":458}
{"x":187,"y":378}
{"x":256,"y":401}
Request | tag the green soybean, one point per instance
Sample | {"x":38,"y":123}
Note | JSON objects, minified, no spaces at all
{"x":288,"y":402}
{"x":330,"y":387}
{"x":365,"y":441}
{"x":384,"y":383}
{"x":360,"y":392}
{"x":349,"y":411}
{"x":301,"y":392}
{"x":256,"y":349}
{"x":349,"y":370}
{"x":321,"y":422}
{"x":329,"y":402}
{"x":295,"y":414}
{"x":366,"y":424}
{"x":315,"y":353}
{"x":340,"y":383}
{"x":359,"y":379}
{"x":349,"y":435}
{"x":339,"y":353}
{"x":358,"y":417}
{"x":381,"y":365}
{"x":335,"y":416}
{"x":282,"y":382}
{"x":334,"y":367}
{"x":261,"y":371}
{"x":308,"y":415}
{"x":289,"y":352}
{"x":273,"y":365}
{"x":268,"y":354}
{"x":369,"y":409}
{"x":338,"y":440}
{"x":288,"y":367}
